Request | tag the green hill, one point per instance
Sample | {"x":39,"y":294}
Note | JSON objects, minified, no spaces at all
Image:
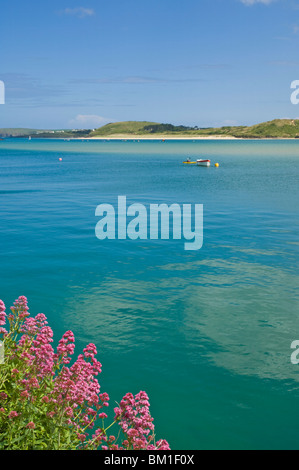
{"x":15,"y":132}
{"x":278,"y":128}
{"x":41,"y":134}
{"x":123,"y":128}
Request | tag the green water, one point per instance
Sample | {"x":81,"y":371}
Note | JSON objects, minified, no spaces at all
{"x":206,"y":333}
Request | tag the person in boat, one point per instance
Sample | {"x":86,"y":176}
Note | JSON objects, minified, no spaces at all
{"x":188,"y":160}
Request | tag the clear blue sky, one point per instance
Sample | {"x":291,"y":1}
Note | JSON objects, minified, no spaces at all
{"x":79,"y":64}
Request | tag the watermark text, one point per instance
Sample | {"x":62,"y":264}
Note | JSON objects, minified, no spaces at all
{"x":160,"y":221}
{"x":295,"y":94}
{"x":295,"y":354}
{"x":2,"y":92}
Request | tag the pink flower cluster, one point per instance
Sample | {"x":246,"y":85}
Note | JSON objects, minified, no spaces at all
{"x":2,"y":317}
{"x":136,"y":422}
{"x":35,"y":344}
{"x":68,"y":393}
{"x":77,"y":385}
{"x":2,"y":313}
{"x":65,"y":348}
{"x":20,"y":308}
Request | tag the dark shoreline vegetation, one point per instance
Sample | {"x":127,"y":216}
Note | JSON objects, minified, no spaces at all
{"x":275,"y":129}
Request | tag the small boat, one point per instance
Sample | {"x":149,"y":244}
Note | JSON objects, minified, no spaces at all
{"x":202,"y":162}
{"x":188,"y":161}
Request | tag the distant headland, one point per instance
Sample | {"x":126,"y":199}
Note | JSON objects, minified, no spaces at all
{"x":275,"y":129}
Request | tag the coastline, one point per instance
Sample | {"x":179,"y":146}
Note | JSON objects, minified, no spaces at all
{"x":177,"y":137}
{"x":156,"y":137}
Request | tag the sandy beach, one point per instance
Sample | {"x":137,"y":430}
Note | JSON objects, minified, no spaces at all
{"x":157,"y":137}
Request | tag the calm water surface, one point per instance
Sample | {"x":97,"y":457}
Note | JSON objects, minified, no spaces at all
{"x":206,"y":333}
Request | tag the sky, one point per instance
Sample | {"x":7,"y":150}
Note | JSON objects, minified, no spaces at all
{"x":84,"y":63}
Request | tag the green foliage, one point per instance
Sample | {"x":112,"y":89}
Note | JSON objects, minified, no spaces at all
{"x":123,"y":128}
{"x":49,"y":401}
{"x":45,"y":134}
{"x":12,"y":132}
{"x":278,"y":128}
{"x":162,"y":128}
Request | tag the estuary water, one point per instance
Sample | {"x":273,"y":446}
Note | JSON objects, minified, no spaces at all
{"x":207,"y":333}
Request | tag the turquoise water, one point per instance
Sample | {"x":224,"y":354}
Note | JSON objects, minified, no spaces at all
{"x":206,"y":333}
